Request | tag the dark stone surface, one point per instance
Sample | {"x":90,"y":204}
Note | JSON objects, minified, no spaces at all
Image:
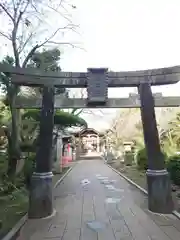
{"x":159,"y":192}
{"x":97,"y":86}
{"x":151,"y":136}
{"x":44,"y":151}
{"x":159,"y":189}
{"x":40,"y":200}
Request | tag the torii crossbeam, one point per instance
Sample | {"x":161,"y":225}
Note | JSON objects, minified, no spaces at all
{"x":65,"y":103}
{"x":36,"y":77}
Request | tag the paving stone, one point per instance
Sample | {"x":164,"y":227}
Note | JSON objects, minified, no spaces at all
{"x":127,"y":220}
{"x":106,"y":234}
{"x":120,"y":228}
{"x":88,"y":211}
{"x":113,"y":213}
{"x":124,"y":238}
{"x":159,"y":219}
{"x":99,"y":208}
{"x":172,"y":232}
{"x":55,"y":231}
{"x":71,"y":234}
{"x":148,"y":224}
{"x":87,"y":234}
{"x":137,"y":231}
{"x":74,"y":215}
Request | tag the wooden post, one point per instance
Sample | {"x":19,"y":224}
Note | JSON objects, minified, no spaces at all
{"x":159,"y":190}
{"x":40,"y":202}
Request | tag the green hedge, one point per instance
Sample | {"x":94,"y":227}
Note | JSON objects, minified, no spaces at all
{"x":172,"y":164}
{"x":173,"y":167}
{"x":142,"y":161}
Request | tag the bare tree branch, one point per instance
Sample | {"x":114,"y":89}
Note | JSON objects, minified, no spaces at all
{"x":14,"y":44}
{"x":21,"y":48}
{"x":21,"y":13}
{"x":21,"y":7}
{"x":14,"y":32}
{"x":40,"y":45}
{"x":73,"y":45}
{"x":62,"y":15}
{"x":6,"y":36}
{"x":30,"y":54}
{"x":60,"y":3}
{"x":7,"y":12}
{"x":14,"y":5}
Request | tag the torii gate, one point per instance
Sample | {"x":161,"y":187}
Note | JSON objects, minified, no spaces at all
{"x":97,"y":81}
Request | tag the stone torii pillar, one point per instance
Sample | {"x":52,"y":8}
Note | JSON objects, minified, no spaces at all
{"x":40,"y":200}
{"x":158,"y":182}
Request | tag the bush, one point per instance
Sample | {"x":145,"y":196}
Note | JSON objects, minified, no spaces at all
{"x":142,"y":161}
{"x":173,"y":167}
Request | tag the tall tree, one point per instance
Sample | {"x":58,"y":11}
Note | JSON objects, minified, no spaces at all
{"x":28,"y":26}
{"x":170,"y":137}
{"x":48,"y":60}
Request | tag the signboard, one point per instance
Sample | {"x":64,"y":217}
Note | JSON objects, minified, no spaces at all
{"x":97,"y":86}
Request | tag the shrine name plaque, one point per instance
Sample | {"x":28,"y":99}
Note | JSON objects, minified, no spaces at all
{"x":97,"y":86}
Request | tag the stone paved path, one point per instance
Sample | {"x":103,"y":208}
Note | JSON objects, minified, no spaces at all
{"x":127,"y":219}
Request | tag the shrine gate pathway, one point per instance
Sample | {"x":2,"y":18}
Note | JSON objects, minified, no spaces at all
{"x":128,"y":219}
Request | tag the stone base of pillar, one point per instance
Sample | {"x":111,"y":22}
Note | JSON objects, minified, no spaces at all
{"x":40,"y":199}
{"x":159,"y":191}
